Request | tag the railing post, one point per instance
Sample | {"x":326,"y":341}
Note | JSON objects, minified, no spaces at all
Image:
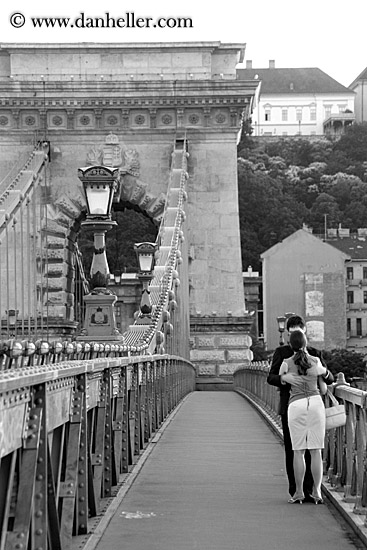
{"x":107,"y":462}
{"x":82,"y":508}
{"x":24,"y":509}
{"x":137,"y":426}
{"x":40,"y":500}
{"x":125,"y":421}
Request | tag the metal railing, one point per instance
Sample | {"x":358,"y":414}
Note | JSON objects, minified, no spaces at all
{"x":170,"y":325}
{"x":31,"y":274}
{"x":345,"y":452}
{"x":23,"y":243}
{"x":72,"y":430}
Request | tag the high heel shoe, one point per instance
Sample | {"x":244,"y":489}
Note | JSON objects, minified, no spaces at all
{"x":296,"y":500}
{"x":317,"y":500}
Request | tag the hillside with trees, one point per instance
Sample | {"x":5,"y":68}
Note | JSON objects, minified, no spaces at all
{"x":287,"y":182}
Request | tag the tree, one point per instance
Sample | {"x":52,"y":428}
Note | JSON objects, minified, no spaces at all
{"x":325,"y":204}
{"x":353,"y":143}
{"x":351,"y":363}
{"x":132,"y":227}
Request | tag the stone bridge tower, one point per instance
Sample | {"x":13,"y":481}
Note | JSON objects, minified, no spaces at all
{"x":144,"y":96}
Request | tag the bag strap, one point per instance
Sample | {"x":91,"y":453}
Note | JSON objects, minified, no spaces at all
{"x":333,"y":399}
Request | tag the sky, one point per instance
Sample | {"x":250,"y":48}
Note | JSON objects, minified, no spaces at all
{"x":330,"y":35}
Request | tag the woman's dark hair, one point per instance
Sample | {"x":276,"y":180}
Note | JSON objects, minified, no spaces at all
{"x":297,"y":341}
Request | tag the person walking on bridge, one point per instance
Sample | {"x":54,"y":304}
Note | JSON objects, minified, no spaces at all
{"x":294,"y":322}
{"x":306,"y":413}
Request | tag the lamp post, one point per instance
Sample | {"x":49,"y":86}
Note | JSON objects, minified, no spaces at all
{"x":100,"y":184}
{"x":281,"y":327}
{"x":12,"y":321}
{"x":145,"y":253}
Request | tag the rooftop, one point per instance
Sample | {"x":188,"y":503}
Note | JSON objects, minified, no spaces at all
{"x":293,"y":81}
{"x":355,"y":246}
{"x":362,"y":76}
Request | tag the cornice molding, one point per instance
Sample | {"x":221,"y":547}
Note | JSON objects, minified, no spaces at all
{"x":122,"y":102}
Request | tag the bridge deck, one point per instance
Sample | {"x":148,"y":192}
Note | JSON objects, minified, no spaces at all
{"x":214,"y":481}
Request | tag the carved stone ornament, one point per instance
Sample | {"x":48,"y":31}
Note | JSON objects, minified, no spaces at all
{"x":194,"y":119}
{"x":220,"y":118}
{"x":30,"y":120}
{"x":84,"y":120}
{"x":57,"y":120}
{"x":112,"y":154}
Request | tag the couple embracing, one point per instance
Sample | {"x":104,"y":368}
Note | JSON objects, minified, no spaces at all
{"x":298,"y":371}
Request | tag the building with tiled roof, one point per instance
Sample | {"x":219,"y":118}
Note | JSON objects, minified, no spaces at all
{"x":298,"y":101}
{"x":359,"y":87}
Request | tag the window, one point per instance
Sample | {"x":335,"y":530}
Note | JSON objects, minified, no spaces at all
{"x":359,"y":326}
{"x":349,"y":273}
{"x":284,"y":115}
{"x":299,"y":113}
{"x":327,"y":111}
{"x":313,"y":113}
{"x":350,"y":297}
{"x":365,"y":296}
{"x":342,"y":108}
{"x":267,"y":112}
{"x":348,"y":325}
{"x":365,"y":273}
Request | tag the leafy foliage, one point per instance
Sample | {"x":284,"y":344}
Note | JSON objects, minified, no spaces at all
{"x":351,"y":363}
{"x":288,"y":182}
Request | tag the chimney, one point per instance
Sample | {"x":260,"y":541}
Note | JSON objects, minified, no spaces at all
{"x":249,"y":64}
{"x":272,"y":64}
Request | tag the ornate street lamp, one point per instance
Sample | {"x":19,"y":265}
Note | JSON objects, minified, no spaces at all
{"x":100,"y":183}
{"x":12,"y":320}
{"x":145,"y":253}
{"x":281,"y":327}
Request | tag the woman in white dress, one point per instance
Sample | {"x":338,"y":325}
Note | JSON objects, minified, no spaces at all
{"x":306,"y":413}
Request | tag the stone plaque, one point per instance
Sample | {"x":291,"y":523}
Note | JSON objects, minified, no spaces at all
{"x":207,"y":355}
{"x":207,"y":370}
{"x":236,"y":341}
{"x":203,"y":342}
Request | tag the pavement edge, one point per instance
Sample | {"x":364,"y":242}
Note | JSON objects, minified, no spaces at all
{"x":354,"y":521}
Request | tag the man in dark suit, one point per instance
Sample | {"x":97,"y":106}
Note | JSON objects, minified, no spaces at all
{"x":294,"y":322}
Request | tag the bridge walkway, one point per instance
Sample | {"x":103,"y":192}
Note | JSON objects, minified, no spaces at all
{"x":216,"y":481}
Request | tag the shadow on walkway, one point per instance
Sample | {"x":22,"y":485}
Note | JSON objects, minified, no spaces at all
{"x":216,"y":481}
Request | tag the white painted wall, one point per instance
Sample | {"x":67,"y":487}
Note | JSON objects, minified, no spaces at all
{"x":324,"y":105}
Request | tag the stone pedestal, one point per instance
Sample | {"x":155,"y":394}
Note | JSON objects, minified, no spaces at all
{"x":100,"y":323}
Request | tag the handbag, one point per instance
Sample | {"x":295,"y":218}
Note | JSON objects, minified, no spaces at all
{"x":335,"y":415}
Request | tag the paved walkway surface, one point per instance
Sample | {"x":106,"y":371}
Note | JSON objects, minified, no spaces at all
{"x":216,"y":481}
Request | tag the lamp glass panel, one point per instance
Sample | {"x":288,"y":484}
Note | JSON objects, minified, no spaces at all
{"x":98,"y":199}
{"x":281,"y":323}
{"x":145,"y":262}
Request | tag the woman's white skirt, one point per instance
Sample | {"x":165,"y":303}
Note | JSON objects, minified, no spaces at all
{"x":306,"y":419}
